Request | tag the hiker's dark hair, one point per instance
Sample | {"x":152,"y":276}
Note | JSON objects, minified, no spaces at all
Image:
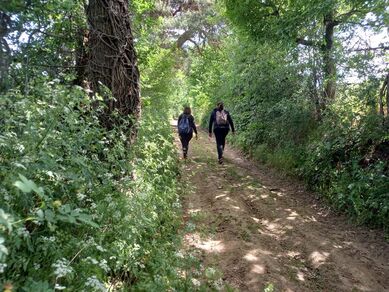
{"x":220,"y":105}
{"x":187,"y":110}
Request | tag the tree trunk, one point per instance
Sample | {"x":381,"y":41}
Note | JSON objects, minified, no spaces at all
{"x":387,"y":95}
{"x":112,"y":60}
{"x":81,"y":58}
{"x":381,"y":96}
{"x":315,"y":85}
{"x":5,"y":51}
{"x":328,"y":59}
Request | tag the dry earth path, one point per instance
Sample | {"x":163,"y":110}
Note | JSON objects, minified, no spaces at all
{"x":259,"y":228}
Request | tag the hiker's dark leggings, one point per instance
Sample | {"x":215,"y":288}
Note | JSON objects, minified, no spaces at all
{"x":185,"y":138}
{"x":220,"y":135}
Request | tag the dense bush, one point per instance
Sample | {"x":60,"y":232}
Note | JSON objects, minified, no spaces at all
{"x":80,"y":208}
{"x":344,"y":161}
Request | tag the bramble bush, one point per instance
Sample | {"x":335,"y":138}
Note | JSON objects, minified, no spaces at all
{"x":80,"y":208}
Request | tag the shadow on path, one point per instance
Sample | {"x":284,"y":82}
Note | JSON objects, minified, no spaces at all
{"x":258,"y":228}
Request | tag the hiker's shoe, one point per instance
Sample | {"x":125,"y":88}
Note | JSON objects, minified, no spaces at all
{"x":220,"y":160}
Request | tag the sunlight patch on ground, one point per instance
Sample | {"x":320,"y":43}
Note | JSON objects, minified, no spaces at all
{"x":208,"y":245}
{"x":275,"y":228}
{"x":193,"y":211}
{"x":292,"y":215}
{"x":337,"y":246}
{"x":279,"y":194}
{"x":253,"y":188}
{"x":250,"y":257}
{"x":259,"y":251}
{"x":293,"y":254}
{"x":318,"y":258}
{"x":300,"y":276}
{"x":256,"y":220}
{"x":258,"y":269}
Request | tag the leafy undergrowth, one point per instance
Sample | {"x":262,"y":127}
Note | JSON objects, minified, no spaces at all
{"x":344,"y":159}
{"x":80,"y":209}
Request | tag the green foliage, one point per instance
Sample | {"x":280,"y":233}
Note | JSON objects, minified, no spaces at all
{"x":288,"y":20}
{"x":207,"y":82}
{"x":271,"y":94}
{"x":80,"y":208}
{"x":345,"y":163}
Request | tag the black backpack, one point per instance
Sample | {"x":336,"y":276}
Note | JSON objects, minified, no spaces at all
{"x":183,"y":125}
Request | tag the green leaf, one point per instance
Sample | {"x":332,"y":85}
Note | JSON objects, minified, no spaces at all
{"x":27,"y":186}
{"x":5,"y":220}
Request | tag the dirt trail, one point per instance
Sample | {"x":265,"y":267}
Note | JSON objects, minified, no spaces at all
{"x":259,"y":228}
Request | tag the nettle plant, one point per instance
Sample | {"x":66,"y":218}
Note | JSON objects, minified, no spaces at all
{"x":72,"y":216}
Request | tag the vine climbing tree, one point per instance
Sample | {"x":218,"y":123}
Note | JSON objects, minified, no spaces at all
{"x":112,"y":59}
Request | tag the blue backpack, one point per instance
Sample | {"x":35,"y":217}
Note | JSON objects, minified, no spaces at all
{"x":183,"y":125}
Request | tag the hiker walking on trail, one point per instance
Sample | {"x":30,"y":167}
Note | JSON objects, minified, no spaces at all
{"x":186,"y":126}
{"x":222,"y":122}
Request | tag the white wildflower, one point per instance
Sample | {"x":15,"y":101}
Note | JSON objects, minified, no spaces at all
{"x":59,"y":287}
{"x":100,"y":248}
{"x":49,"y":239}
{"x":90,"y":241}
{"x":37,"y":266}
{"x":81,"y":196}
{"x":94,"y":283}
{"x":196,"y":282}
{"x":103,"y":264}
{"x":136,"y":247}
{"x":62,"y":268}
{"x":22,"y":231}
{"x":210,"y":273}
{"x":20,"y":147}
{"x":2,"y":267}
{"x":197,"y":272}
{"x":92,"y":260}
{"x":109,"y":175}
{"x":218,"y":284}
{"x":190,"y":226}
{"x":179,"y":254}
{"x":176,"y":205}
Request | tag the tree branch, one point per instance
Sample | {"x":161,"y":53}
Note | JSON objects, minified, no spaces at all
{"x":384,"y":48}
{"x":343,"y":17}
{"x":304,"y":42}
{"x":187,"y":35}
{"x":196,"y":45}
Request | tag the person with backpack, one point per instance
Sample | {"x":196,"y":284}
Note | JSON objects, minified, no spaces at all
{"x":222,"y":122}
{"x":186,"y":126}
